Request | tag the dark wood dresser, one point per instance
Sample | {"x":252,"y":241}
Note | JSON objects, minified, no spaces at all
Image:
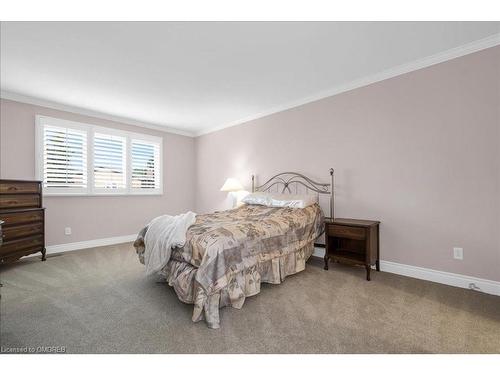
{"x":353,"y":241}
{"x":23,"y":230}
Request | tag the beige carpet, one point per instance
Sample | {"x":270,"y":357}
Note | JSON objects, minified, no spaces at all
{"x":99,"y":301}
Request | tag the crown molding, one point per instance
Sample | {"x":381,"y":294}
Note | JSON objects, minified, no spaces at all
{"x":87,"y":112}
{"x":425,"y":62}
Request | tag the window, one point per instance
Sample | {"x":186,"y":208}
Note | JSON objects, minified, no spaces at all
{"x":82,"y":159}
{"x":144,"y":169}
{"x":109,"y":162}
{"x":64,"y":158}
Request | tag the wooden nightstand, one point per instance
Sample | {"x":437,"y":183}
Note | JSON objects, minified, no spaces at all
{"x":352,"y":241}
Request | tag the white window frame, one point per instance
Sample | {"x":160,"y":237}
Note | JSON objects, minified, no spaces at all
{"x":41,"y":121}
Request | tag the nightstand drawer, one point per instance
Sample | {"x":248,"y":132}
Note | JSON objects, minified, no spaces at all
{"x":346,"y":232}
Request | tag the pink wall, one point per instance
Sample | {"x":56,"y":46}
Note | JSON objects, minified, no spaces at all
{"x":420,"y":152}
{"x":95,"y":217}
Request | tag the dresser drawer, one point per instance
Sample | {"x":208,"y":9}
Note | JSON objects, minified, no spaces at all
{"x":19,"y":187}
{"x":26,"y":230}
{"x":19,"y":201}
{"x":346,"y":232}
{"x":22,"y":217}
{"x":26,"y":244}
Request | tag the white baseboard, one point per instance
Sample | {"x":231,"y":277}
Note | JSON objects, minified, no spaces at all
{"x":447,"y":278}
{"x":65,"y":247}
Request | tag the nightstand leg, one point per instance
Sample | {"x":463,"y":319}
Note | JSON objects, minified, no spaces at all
{"x":326,"y":262}
{"x":377,"y":265}
{"x":43,"y":254}
{"x":368,"y":268}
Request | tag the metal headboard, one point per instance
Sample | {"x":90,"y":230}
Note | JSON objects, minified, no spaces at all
{"x":287,"y":179}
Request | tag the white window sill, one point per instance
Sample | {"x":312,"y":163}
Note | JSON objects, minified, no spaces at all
{"x":101,"y":194}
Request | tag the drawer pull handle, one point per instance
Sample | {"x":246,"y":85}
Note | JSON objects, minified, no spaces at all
{"x":12,"y":188}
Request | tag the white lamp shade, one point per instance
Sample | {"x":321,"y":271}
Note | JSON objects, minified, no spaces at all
{"x":231,"y":184}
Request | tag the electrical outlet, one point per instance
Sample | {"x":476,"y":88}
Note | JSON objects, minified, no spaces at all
{"x":67,"y":231}
{"x":458,"y":253}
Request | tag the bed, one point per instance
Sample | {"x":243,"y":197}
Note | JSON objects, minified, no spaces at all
{"x":228,"y":254}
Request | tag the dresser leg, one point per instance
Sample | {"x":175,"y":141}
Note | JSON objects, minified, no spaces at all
{"x":326,"y":262}
{"x":377,"y":265}
{"x":43,"y":254}
{"x":368,"y":269}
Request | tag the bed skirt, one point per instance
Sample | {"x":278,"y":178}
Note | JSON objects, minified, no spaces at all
{"x":181,"y":276}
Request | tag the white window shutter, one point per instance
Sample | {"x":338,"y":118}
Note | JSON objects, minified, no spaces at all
{"x":145,"y":160}
{"x":64,"y":158}
{"x":109,"y":157}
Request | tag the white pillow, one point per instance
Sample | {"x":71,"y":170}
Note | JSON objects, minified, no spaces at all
{"x":293,"y":200}
{"x":262,"y":199}
{"x":281,"y":200}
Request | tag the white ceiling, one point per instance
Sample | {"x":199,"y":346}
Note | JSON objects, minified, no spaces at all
{"x":196,"y":76}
